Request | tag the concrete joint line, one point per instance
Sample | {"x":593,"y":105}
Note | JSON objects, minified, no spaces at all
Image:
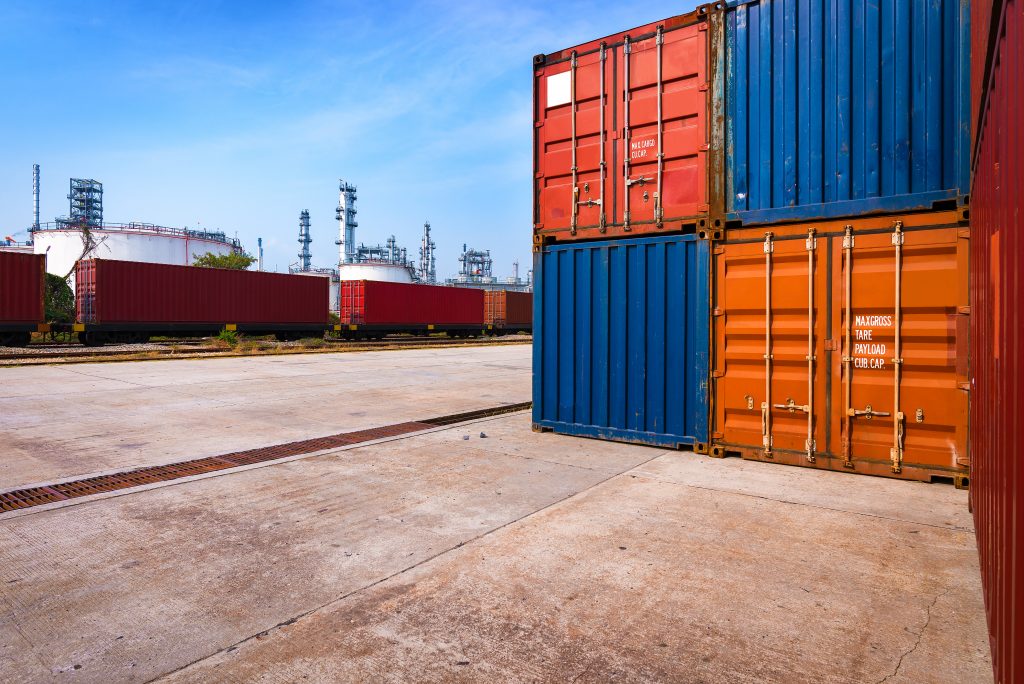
{"x":42,"y":508}
{"x":808,"y":505}
{"x":398,"y":573}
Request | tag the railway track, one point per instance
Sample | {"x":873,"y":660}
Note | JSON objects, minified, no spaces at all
{"x":59,"y":353}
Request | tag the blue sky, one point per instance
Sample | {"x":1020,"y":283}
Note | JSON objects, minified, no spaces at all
{"x":237,"y":115}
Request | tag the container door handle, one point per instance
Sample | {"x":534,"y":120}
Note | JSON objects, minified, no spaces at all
{"x":792,"y":406}
{"x":867,"y":412}
{"x":626,"y":49}
{"x":896,"y":453}
{"x":602,"y":226}
{"x":661,"y":125}
{"x":575,"y":177}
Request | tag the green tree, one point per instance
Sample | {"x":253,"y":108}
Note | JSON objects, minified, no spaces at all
{"x":236,"y":260}
{"x":59,"y":300}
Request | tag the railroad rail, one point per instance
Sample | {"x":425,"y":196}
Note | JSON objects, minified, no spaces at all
{"x":57,"y":353}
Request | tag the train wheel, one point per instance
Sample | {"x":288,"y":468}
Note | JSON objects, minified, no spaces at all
{"x":91,"y":339}
{"x":15,"y":339}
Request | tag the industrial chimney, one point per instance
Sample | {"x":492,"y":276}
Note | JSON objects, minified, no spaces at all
{"x":35,"y":197}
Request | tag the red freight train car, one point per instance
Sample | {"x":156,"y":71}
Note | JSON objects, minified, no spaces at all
{"x":508,"y":311}
{"x":22,"y":286}
{"x":997,"y":313}
{"x":373,"y":308}
{"x":625,"y":130}
{"x":129,"y":301}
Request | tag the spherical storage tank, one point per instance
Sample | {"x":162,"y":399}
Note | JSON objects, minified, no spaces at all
{"x":65,"y":244}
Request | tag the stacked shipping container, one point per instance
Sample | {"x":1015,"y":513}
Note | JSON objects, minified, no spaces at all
{"x":816,"y":155}
{"x":997,"y":301}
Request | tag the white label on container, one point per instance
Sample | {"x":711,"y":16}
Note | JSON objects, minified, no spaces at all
{"x":868,"y":353}
{"x":643,"y":148}
{"x":560,"y":89}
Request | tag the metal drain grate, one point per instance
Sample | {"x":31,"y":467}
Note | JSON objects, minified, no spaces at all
{"x":37,"y":496}
{"x":474,"y":415}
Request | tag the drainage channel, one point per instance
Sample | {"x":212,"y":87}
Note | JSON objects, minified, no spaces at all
{"x":37,"y":496}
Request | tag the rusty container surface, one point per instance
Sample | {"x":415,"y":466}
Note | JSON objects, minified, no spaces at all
{"x":22,"y":284}
{"x":131,"y":292}
{"x":997,"y":366}
{"x":845,"y":107}
{"x":844,"y":345}
{"x":628,"y":131}
{"x":508,"y":309}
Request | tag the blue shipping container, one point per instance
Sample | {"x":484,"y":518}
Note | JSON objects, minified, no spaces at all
{"x":621,"y":340}
{"x":845,"y":107}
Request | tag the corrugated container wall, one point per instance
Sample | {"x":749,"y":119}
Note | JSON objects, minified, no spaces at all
{"x":845,"y":107}
{"x":110,"y":292}
{"x":985,"y":23}
{"x":627,"y":132}
{"x":504,"y":308}
{"x":621,"y":340}
{"x":808,"y":320}
{"x":22,"y":286}
{"x":373,"y":302}
{"x":997,"y":416}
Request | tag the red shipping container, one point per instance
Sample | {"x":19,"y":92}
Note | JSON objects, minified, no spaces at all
{"x":984,"y":13}
{"x":997,"y":363}
{"x":625,"y":131}
{"x":372,"y":302}
{"x":504,"y":309}
{"x":22,"y":284}
{"x":114,"y":292}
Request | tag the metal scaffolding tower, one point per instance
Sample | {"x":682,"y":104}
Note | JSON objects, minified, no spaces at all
{"x":427,"y":271}
{"x":476,"y":265}
{"x":86,"y":202}
{"x":347,"y":224}
{"x":305,"y":256}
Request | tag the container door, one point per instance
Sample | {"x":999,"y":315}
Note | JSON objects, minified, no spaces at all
{"x":573,"y":142}
{"x":621,"y":343}
{"x":770,"y":332}
{"x":664,"y":136}
{"x":902,"y":400}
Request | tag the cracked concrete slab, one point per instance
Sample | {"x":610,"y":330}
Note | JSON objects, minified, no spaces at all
{"x":649,"y":576}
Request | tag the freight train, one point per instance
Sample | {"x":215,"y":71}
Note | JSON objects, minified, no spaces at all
{"x":129,"y":302}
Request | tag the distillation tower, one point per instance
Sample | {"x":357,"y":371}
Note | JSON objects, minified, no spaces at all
{"x":305,"y":256}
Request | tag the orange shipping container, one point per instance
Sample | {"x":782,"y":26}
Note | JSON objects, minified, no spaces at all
{"x":508,"y":310}
{"x":844,"y":345}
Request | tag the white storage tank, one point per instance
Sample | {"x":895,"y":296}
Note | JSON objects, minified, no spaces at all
{"x":392,"y":273}
{"x":65,"y":244}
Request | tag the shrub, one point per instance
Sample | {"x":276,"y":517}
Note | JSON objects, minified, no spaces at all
{"x":59,"y":300}
{"x":238,"y":261}
{"x":229,"y":337}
